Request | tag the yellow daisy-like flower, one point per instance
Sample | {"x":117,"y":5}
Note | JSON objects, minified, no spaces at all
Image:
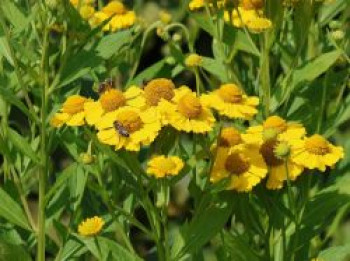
{"x":86,"y":11}
{"x":230,"y":101}
{"x":120,"y":16}
{"x":72,"y":112}
{"x":243,"y":165}
{"x":193,"y":60}
{"x":129,"y":128}
{"x":252,"y":19}
{"x":165,"y":17}
{"x":315,"y":152}
{"x":153,"y":92}
{"x":198,"y":4}
{"x":230,"y":137}
{"x":91,"y":226}
{"x":277,"y":166}
{"x":186,"y":112}
{"x":162,"y":166}
{"x":109,"y":101}
{"x":272,"y":127}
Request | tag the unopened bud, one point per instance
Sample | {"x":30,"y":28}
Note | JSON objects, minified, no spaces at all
{"x":269,"y":134}
{"x":87,"y":158}
{"x":282,"y":150}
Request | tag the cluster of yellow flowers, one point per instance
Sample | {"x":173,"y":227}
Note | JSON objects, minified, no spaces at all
{"x":134,"y":118}
{"x":277,"y":149}
{"x":248,"y":13}
{"x":118,"y":16}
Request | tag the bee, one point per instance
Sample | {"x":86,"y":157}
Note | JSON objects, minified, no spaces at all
{"x":121,"y":129}
{"x":105,"y":86}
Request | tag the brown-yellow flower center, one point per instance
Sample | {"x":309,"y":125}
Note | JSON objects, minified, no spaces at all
{"x":166,"y":165}
{"x":130,"y":121}
{"x":275,"y":122}
{"x":190,"y":106}
{"x":112,"y":100}
{"x":230,"y":137}
{"x":237,"y":164}
{"x":230,"y":93}
{"x":74,"y":104}
{"x":267,"y":150}
{"x":252,"y":4}
{"x":158,"y":89}
{"x":317,"y":145}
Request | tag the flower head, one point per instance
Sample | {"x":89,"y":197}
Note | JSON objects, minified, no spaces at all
{"x":230,"y":101}
{"x":128,"y":128}
{"x":230,"y":137}
{"x":243,"y":166}
{"x":109,"y":101}
{"x":72,"y":112}
{"x":186,"y":112}
{"x":162,"y":166}
{"x":91,"y":226}
{"x":315,"y":152}
{"x":193,"y":60}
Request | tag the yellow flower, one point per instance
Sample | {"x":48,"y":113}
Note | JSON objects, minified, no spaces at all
{"x":114,"y":8}
{"x":72,"y":112}
{"x":109,"y":101}
{"x":243,"y":166}
{"x":153,"y":92}
{"x":123,"y":21}
{"x":128,"y":128}
{"x":86,"y":11}
{"x":315,"y":152}
{"x":198,"y":4}
{"x":230,"y":137}
{"x":277,"y":166}
{"x":91,"y":226}
{"x":186,"y":112}
{"x":165,"y":17}
{"x":272,"y":127}
{"x":97,"y":19}
{"x":229,"y":100}
{"x":162,"y":166}
{"x":252,"y":19}
{"x":252,"y":4}
{"x":193,"y":60}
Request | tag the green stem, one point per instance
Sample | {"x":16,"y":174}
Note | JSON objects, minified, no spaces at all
{"x":265,"y":73}
{"x":44,"y":153}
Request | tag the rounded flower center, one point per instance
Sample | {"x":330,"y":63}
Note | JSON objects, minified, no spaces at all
{"x":190,"y":106}
{"x":318,"y":145}
{"x":252,"y":4}
{"x":275,"y":122}
{"x":130,"y":121}
{"x":112,"y":100}
{"x":230,"y":93}
{"x":166,"y":165}
{"x":237,"y":164}
{"x":230,"y":137}
{"x":74,"y":104}
{"x":267,"y":150}
{"x":157,"y":89}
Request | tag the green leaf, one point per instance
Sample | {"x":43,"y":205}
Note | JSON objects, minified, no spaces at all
{"x":330,"y":10}
{"x":148,"y":73}
{"x":311,"y":70}
{"x":70,"y":249}
{"x":216,"y":68}
{"x":11,"y":98}
{"x":339,"y":253}
{"x":79,"y":64}
{"x":203,"y":22}
{"x":22,"y":145}
{"x":203,"y":227}
{"x":77,"y":184}
{"x":112,"y":43}
{"x":16,"y":17}
{"x":11,"y":211}
{"x":238,"y":249}
{"x":4,"y":49}
{"x":106,"y":249}
{"x":10,"y":252}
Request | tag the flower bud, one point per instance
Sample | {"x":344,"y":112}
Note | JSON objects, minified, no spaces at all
{"x":282,"y":150}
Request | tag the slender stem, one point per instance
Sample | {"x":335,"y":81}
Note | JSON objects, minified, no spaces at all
{"x":44,"y":154}
{"x":265,"y":73}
